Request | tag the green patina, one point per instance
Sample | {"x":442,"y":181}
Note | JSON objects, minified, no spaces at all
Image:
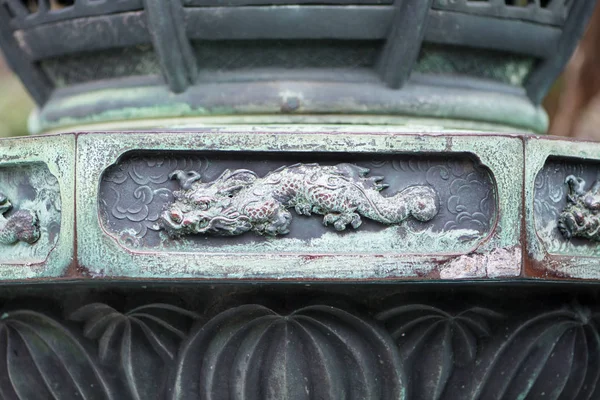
{"x":37,"y":174}
{"x":382,"y":255}
{"x":44,"y":201}
{"x":391,"y":240}
{"x":486,"y":64}
{"x":445,"y":108}
{"x":558,"y":256}
{"x":391,"y":253}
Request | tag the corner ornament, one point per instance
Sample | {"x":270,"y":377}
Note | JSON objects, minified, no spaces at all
{"x":22,"y":225}
{"x":239,"y":201}
{"x":581,"y":217}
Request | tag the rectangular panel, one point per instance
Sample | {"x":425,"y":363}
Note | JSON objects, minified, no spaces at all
{"x":36,"y":206}
{"x":562,"y":216}
{"x":244,"y":205}
{"x":290,"y":198}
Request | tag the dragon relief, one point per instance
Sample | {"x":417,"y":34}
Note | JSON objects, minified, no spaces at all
{"x":581,"y":216}
{"x":22,"y":225}
{"x":239,"y":201}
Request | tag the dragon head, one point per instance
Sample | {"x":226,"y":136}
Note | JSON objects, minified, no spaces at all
{"x":207,"y":207}
{"x":580,"y":216}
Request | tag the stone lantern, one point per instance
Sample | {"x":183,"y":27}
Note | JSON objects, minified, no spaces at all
{"x":296,"y":199}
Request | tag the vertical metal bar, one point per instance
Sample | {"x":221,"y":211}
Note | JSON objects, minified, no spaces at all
{"x":404,"y":41}
{"x":16,"y":7}
{"x":166,"y":23}
{"x":32,"y":76}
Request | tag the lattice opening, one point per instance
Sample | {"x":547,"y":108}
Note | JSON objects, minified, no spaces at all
{"x":33,"y":6}
{"x":519,"y":3}
{"x":34,"y":12}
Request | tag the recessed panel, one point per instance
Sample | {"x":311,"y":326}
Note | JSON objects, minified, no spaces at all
{"x":566,"y":206}
{"x":297,"y":203}
{"x":30,"y":213}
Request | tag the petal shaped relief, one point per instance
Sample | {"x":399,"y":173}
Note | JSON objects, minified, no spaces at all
{"x":143,"y":342}
{"x":433,"y":342}
{"x":553,"y":355}
{"x":41,"y":359}
{"x":318,"y":352}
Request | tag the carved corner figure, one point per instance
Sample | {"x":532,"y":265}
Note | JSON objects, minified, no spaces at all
{"x":239,"y":201}
{"x":580,"y":217}
{"x":23,"y":225}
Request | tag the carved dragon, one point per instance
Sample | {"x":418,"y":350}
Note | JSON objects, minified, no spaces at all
{"x":22,"y":225}
{"x":581,"y":217}
{"x":239,"y":201}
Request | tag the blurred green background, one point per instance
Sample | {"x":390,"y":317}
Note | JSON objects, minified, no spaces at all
{"x":15,"y":104}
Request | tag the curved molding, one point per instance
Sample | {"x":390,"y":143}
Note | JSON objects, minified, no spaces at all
{"x":406,"y":351}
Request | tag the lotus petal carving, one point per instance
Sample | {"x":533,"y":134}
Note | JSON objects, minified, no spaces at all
{"x":143,"y":342}
{"x":318,"y":352}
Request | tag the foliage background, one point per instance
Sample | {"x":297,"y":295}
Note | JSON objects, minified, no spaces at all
{"x":15,"y":104}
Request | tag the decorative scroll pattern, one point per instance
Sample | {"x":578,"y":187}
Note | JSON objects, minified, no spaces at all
{"x":470,"y":198}
{"x":239,"y":201}
{"x":135,"y":193}
{"x":408,"y":351}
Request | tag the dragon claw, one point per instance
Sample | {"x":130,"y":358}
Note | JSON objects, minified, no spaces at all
{"x":356,"y":221}
{"x":329,"y":219}
{"x":339,"y":225}
{"x":303,"y":209}
{"x":341,"y":221}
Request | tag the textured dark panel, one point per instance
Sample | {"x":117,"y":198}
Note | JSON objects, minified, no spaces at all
{"x":135,"y":192}
{"x":288,"y":54}
{"x":551,"y":193}
{"x":350,"y":342}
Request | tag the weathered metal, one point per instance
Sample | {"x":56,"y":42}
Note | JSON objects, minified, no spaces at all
{"x":240,"y":201}
{"x":371,"y":342}
{"x":123,"y":187}
{"x":23,"y":225}
{"x":471,"y":276}
{"x":37,"y":174}
{"x":578,"y":219}
{"x":117,"y":239}
{"x":345,"y":61}
{"x":482,"y":227}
